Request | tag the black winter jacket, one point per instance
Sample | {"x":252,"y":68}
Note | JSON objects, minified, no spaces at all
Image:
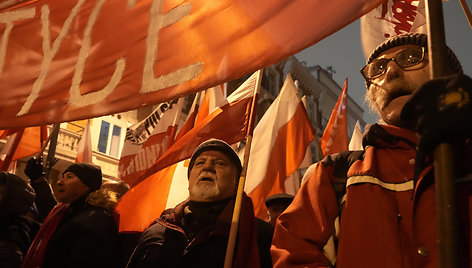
{"x":171,"y":242}
{"x":87,"y":236}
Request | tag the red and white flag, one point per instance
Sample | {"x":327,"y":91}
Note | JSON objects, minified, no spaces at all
{"x":334,"y":139}
{"x":356,"y":139}
{"x":69,"y":60}
{"x":21,"y":143}
{"x":229,"y":122}
{"x":279,"y":146}
{"x":147,"y":140}
{"x":392,"y":17}
{"x":84,"y":148}
{"x":169,"y":186}
{"x":145,"y":202}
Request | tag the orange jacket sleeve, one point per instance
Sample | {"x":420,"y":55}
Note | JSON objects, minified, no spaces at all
{"x":304,"y":228}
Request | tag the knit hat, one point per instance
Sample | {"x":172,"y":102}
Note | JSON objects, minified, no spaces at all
{"x":216,"y":145}
{"x":89,"y":174}
{"x":18,"y":195}
{"x":413,"y":39}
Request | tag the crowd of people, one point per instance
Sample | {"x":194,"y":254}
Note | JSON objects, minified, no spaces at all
{"x":384,"y":215}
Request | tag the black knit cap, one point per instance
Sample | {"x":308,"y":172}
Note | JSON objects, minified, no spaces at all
{"x":89,"y":174}
{"x":216,"y":145}
{"x":418,"y":39}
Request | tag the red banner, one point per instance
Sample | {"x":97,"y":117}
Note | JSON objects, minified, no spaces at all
{"x":69,"y":60}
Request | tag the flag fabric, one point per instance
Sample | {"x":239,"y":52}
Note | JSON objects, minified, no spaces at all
{"x":21,"y":143}
{"x":9,"y":149}
{"x":169,"y":186}
{"x":334,"y":139}
{"x":356,"y":139}
{"x":145,"y":202}
{"x":65,"y":60}
{"x":293,"y":182}
{"x":279,"y":146}
{"x":228,"y":122}
{"x":84,"y":147}
{"x":392,"y":17}
{"x":147,"y":140}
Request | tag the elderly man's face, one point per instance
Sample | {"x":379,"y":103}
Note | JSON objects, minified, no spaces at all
{"x":389,"y":92}
{"x":212,"y":178}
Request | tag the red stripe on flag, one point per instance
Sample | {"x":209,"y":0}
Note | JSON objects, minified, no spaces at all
{"x":334,"y":139}
{"x":228,"y":123}
{"x":140,"y":205}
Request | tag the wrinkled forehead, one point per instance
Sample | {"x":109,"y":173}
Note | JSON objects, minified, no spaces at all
{"x":391,"y":52}
{"x":213,"y":154}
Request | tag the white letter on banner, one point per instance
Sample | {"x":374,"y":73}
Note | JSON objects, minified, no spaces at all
{"x":75,"y":97}
{"x":49,"y":52}
{"x":8,"y":18}
{"x":157,"y":22}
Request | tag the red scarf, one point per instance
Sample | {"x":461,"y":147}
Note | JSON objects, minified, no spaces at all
{"x":35,"y":256}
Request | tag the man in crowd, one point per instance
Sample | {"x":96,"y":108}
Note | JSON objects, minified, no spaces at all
{"x":80,"y":231}
{"x":276,"y":204}
{"x":17,"y":229}
{"x":386,"y":215}
{"x":195,"y":233}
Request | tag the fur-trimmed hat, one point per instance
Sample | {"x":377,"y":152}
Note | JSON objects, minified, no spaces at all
{"x":89,"y":174}
{"x":216,"y":145}
{"x":413,"y":39}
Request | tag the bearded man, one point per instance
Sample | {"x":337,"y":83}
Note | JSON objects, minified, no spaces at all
{"x":195,"y":233}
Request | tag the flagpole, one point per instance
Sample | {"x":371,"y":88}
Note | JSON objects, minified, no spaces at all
{"x":45,"y":144}
{"x":242,"y":181}
{"x":466,"y":10}
{"x":51,"y":160}
{"x":317,"y":139}
{"x":448,"y":239}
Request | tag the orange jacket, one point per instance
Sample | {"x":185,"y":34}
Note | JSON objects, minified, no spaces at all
{"x":385,"y":219}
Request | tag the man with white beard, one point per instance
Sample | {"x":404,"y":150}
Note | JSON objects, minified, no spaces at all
{"x":195,"y":233}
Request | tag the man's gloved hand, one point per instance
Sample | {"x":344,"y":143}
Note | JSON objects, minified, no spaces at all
{"x":441,"y":109}
{"x":34,"y":169}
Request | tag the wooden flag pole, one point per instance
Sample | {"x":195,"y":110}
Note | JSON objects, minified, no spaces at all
{"x":448,"y":244}
{"x":466,"y":10}
{"x":233,"y":232}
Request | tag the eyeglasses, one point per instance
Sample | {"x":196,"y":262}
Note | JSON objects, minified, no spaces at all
{"x":405,"y":58}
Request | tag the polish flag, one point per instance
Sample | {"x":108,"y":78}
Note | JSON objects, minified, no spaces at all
{"x":334,"y":139}
{"x":169,"y":186}
{"x":84,"y":148}
{"x":279,"y":146}
{"x":21,"y":143}
{"x":392,"y":17}
{"x":228,"y":122}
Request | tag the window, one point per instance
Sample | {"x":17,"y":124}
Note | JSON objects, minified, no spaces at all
{"x":103,"y":138}
{"x":109,"y":144}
